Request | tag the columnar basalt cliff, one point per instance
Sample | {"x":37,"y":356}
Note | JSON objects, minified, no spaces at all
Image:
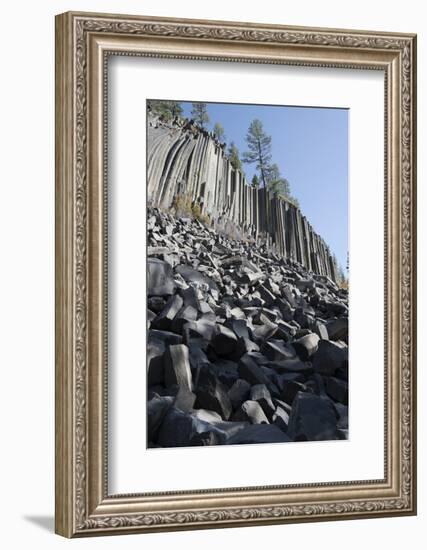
{"x":184,"y":160}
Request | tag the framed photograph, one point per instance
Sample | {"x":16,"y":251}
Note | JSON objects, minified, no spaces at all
{"x":235,"y":274}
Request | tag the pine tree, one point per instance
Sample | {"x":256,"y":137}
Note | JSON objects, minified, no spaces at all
{"x":293,"y":200}
{"x":276,"y":183}
{"x":199,"y":113}
{"x":259,"y":149}
{"x":255,"y":181}
{"x":175,"y":108}
{"x":234,"y":156}
{"x":218,"y":130}
{"x":166,"y":109}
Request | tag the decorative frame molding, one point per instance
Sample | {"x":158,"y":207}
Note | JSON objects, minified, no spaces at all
{"x":83,"y":42}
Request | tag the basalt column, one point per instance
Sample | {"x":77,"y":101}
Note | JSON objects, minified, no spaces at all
{"x":184,"y":160}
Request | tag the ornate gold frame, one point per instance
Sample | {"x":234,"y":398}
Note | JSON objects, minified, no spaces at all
{"x":83,"y":506}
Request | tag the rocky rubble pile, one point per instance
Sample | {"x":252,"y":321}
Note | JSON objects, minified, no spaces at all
{"x":243,"y":346}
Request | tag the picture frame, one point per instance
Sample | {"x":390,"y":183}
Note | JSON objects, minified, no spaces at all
{"x":84,"y":506}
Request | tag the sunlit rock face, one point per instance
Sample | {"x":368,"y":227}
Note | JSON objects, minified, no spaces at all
{"x":183,"y":160}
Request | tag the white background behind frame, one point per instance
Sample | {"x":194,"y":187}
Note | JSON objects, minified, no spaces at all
{"x":27,"y":503}
{"x":132,"y":467}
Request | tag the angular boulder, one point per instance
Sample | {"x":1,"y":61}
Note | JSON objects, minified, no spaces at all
{"x":239,"y":392}
{"x":328,"y":358}
{"x":212,"y":394}
{"x":163,"y":320}
{"x":251,"y":372}
{"x":176,"y":363}
{"x":306,"y":346}
{"x":224,"y":342}
{"x":259,"y":433}
{"x":261,"y":395}
{"x":250,"y":411}
{"x":160,"y":280}
{"x":312,"y":418}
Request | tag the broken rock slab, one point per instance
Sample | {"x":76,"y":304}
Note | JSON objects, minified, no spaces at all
{"x":262,"y":395}
{"x":239,"y":392}
{"x":179,"y":428}
{"x":329,"y":358}
{"x":176,"y":363}
{"x":306,"y":346}
{"x":250,"y":371}
{"x":312,"y":418}
{"x":250,"y":411}
{"x":259,"y":433}
{"x":159,"y":278}
{"x":157,"y":407}
{"x":212,"y":393}
{"x":225,"y":341}
{"x":163,"y":320}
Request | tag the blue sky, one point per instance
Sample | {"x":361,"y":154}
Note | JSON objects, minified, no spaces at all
{"x":310,"y":145}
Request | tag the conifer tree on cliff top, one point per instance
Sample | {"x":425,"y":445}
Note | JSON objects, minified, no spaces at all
{"x":199,"y":113}
{"x":234,"y":155}
{"x":166,"y":109}
{"x":259,"y":149}
{"x":218,"y":130}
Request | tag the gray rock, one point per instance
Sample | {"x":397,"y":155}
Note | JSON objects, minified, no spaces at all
{"x":321,"y":330}
{"x":206,"y":438}
{"x":245,"y":345}
{"x":157,"y":407}
{"x":184,"y":399}
{"x":206,"y":415}
{"x":159,"y":278}
{"x":277,"y":350}
{"x":203,"y":328}
{"x":290,"y":389}
{"x":338,"y":329}
{"x":337,"y":389}
{"x":193,"y":276}
{"x":226,"y":371}
{"x":291,"y":366}
{"x":184,"y":315}
{"x":282,"y":379}
{"x":266,"y":295}
{"x":342,"y":412}
{"x":166,"y":337}
{"x":212,"y":394}
{"x":239,"y":327}
{"x":190,"y":297}
{"x":156,"y":303}
{"x":224,"y":342}
{"x":177,"y":366}
{"x":285,"y":309}
{"x":259,"y":433}
{"x":261,"y":395}
{"x":250,"y":411}
{"x":150,"y":316}
{"x":264,"y":331}
{"x":239,"y":392}
{"x":259,"y":358}
{"x":250,"y":371}
{"x":179,"y":428}
{"x":312,"y":418}
{"x":163,"y":320}
{"x":329,"y":358}
{"x":281,"y":419}
{"x":306,"y":346}
{"x":304,"y":317}
{"x":334,"y":308}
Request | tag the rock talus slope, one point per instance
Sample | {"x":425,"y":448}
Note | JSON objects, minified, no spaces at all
{"x":185,"y":160}
{"x":244,"y":345}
